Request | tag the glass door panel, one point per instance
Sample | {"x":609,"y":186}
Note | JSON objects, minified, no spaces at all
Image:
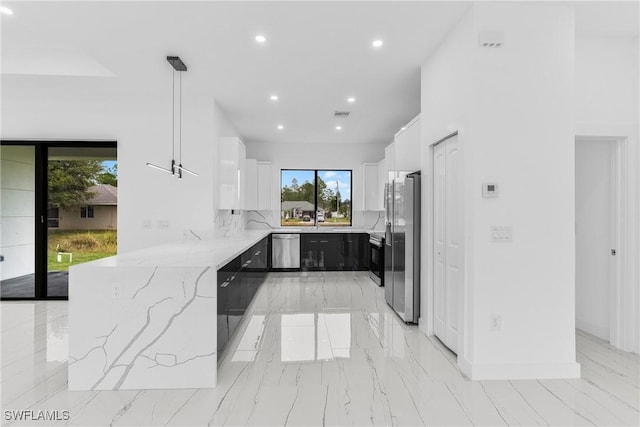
{"x":17,"y":221}
{"x":82,"y":203}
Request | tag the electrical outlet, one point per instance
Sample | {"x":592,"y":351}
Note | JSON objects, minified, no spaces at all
{"x":163,"y":223}
{"x":495,"y":323}
{"x":501,"y":234}
{"x":116,"y":291}
{"x":146,"y":223}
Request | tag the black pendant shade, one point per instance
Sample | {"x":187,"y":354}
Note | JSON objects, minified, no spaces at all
{"x":177,"y":63}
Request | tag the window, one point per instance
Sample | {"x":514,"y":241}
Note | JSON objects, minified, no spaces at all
{"x":53,"y":217}
{"x":310,"y":197}
{"x":86,"y":212}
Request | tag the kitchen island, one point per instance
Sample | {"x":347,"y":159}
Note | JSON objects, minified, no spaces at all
{"x":148,"y":319}
{"x":155,"y":318}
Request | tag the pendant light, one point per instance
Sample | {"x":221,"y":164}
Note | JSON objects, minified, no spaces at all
{"x":176,"y":168}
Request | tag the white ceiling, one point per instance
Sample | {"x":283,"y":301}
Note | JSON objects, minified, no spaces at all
{"x":316,"y":55}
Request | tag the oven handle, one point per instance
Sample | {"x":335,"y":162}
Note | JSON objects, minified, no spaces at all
{"x":374,"y":242}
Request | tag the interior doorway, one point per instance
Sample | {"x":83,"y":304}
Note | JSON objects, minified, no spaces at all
{"x":596,"y":235}
{"x":59,"y":208}
{"x":605,"y":294}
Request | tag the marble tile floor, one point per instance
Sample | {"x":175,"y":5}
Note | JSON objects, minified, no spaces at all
{"x":316,"y":349}
{"x":24,"y":286}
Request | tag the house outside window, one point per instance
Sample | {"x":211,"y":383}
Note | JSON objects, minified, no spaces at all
{"x":86,"y":212}
{"x":315,"y":197}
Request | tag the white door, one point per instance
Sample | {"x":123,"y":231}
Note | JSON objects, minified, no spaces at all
{"x":439,"y":244}
{"x":448,"y":221}
{"x":595,"y":216}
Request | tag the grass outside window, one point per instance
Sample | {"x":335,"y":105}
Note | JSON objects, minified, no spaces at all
{"x":84,"y":245}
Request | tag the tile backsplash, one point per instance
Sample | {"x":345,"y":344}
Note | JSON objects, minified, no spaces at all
{"x":229,"y":223}
{"x":368,"y":220}
{"x":262,"y":220}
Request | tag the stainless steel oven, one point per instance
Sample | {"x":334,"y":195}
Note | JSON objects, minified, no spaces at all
{"x":376,"y":258}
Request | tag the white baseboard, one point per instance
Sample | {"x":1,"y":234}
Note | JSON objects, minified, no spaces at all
{"x":593,"y":329}
{"x":465,"y":366}
{"x":519,"y":371}
{"x":422,"y":326}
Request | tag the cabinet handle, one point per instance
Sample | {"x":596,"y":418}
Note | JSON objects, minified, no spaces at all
{"x":225,"y":284}
{"x":324,"y":241}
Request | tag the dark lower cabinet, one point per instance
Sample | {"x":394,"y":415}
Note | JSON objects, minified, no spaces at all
{"x":334,"y":251}
{"x":238,"y":283}
{"x":240,"y":279}
{"x":319,"y":251}
{"x":227,"y":280}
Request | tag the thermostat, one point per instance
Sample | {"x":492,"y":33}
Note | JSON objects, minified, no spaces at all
{"x":489,"y":189}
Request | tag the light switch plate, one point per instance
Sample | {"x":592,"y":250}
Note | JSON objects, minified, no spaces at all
{"x":501,"y":234}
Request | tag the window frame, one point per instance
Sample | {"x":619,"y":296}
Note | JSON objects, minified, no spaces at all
{"x":315,"y":194}
{"x":89,"y":212}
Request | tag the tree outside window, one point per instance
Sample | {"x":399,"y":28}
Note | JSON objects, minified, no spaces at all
{"x":310,"y":197}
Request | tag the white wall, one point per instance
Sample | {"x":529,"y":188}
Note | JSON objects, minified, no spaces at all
{"x":17,"y":203}
{"x":318,"y":156}
{"x":445,"y":108}
{"x":514,"y":108}
{"x":73,"y":109}
{"x":606,"y":80}
{"x":607,"y":88}
{"x":593,"y":237}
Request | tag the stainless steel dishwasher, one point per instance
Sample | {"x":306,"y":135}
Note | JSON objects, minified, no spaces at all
{"x":285,"y":251}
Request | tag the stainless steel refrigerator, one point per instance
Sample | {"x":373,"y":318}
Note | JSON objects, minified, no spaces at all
{"x":402,"y":244}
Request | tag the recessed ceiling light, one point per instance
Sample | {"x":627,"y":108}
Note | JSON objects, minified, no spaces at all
{"x":377,"y":43}
{"x":338,"y":127}
{"x":5,"y":10}
{"x":261,"y":39}
{"x":403,"y":128}
{"x":274,"y":97}
{"x":351,"y":99}
{"x":280,"y":127}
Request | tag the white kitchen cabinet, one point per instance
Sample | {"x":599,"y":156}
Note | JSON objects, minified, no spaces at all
{"x":257,"y":185}
{"x":382,"y":181}
{"x":370,"y":186}
{"x":407,"y":147}
{"x":231,"y":173}
{"x":389,"y":160}
{"x":264,"y":186}
{"x":251,"y":187}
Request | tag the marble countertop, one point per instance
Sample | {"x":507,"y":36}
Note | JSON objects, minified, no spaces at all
{"x":215,"y":252}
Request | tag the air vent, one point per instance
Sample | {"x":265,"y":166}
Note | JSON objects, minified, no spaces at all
{"x":341,"y":114}
{"x":491,"y":39}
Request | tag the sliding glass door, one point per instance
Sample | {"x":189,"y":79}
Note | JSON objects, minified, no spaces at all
{"x":82,"y":203}
{"x":17,"y":221}
{"x":58,"y":208}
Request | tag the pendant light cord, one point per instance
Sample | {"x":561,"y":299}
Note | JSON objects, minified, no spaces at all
{"x":180,"y":122}
{"x":173,"y":115}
